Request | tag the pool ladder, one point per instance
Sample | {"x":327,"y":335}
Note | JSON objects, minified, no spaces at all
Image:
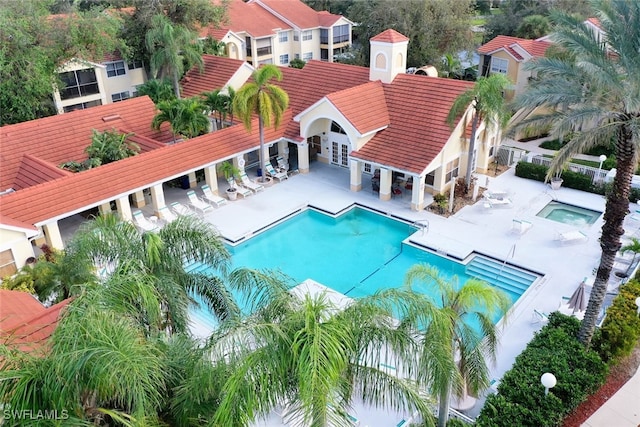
{"x":422,"y":224}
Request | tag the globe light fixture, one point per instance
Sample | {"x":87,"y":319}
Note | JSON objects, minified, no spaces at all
{"x":602,"y":158}
{"x":548,"y":380}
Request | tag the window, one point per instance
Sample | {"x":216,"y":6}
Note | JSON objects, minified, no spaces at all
{"x":82,"y":106}
{"x":134,"y":64}
{"x":324,"y":36}
{"x":341,"y":33}
{"x":79,"y":83}
{"x":120,"y":96}
{"x":296,"y":36}
{"x":367,"y":168}
{"x":452,"y":170}
{"x":284,"y":59}
{"x":336,"y":128}
{"x":307,"y":56}
{"x":307,"y":35}
{"x":283,"y":36}
{"x":7,"y":263}
{"x":499,"y":65}
{"x":115,"y":69}
{"x":324,"y":54}
{"x":430,"y":178}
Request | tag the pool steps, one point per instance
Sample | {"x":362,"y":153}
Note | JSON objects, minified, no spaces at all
{"x":499,"y":274}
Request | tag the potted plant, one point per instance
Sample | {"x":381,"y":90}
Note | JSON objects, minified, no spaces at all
{"x":230,"y":171}
{"x":556,"y":182}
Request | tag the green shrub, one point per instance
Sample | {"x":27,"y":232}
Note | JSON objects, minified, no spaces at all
{"x":554,"y":144}
{"x":521,"y":400}
{"x":531,"y":171}
{"x":620,"y":331}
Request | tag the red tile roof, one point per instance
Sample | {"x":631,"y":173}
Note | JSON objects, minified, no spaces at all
{"x":327,"y":19}
{"x":36,"y":171}
{"x":252,"y":19}
{"x":24,"y":322}
{"x":418,"y":107}
{"x":364,"y":106}
{"x":216,"y":74}
{"x":390,"y":36}
{"x":57,"y":139}
{"x":215,"y":33}
{"x":535,"y":48}
{"x":298,"y":13}
{"x":596,"y":22}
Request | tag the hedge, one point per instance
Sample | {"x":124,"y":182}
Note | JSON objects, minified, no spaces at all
{"x":521,"y":400}
{"x":620,"y":331}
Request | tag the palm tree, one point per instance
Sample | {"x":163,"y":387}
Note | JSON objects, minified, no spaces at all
{"x":592,"y":94}
{"x":185,"y":116}
{"x":157,"y":90}
{"x":161,"y":257}
{"x":305,"y":353}
{"x":264,"y":99}
{"x":468,"y":333}
{"x":488,"y":104}
{"x":451,"y":66}
{"x":170,"y":47}
{"x":218,"y":101}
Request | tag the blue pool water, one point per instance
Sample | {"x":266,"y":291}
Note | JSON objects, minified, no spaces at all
{"x":569,"y":214}
{"x":358,"y":253}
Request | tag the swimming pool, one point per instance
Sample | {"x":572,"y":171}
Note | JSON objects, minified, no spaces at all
{"x":358,"y":253}
{"x":569,"y":214}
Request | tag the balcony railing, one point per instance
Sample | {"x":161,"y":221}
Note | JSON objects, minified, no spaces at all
{"x":261,"y":51}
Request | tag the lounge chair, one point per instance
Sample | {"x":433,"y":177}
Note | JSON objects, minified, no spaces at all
{"x":282,"y":165}
{"x":570,"y":237}
{"x":167,"y":215}
{"x":197,"y":203}
{"x":520,"y":226}
{"x":181,"y":210}
{"x":498,"y":200}
{"x":212,"y":198}
{"x":143,"y":223}
{"x":253,"y":186}
{"x":539,"y":317}
{"x":274,"y":174}
{"x":241,"y":190}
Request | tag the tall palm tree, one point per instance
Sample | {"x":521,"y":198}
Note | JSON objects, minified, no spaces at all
{"x":468,"y":334}
{"x":185,"y":116}
{"x":487,"y":100}
{"x":592,"y":93}
{"x":161,"y":256}
{"x":306,"y":354}
{"x":170,"y":46}
{"x":266,"y":100}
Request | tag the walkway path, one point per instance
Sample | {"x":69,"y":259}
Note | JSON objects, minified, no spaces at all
{"x":622,"y":410}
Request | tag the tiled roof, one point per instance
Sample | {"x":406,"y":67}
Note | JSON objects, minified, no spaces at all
{"x":24,"y":322}
{"x":296,"y":12}
{"x":89,"y":188}
{"x":418,"y":107}
{"x":10,"y":222}
{"x":364,"y":106}
{"x":64,"y":137}
{"x":36,"y":171}
{"x":215,"y":33}
{"x":535,"y":48}
{"x":252,"y":19}
{"x":216,"y":74}
{"x":390,"y":36}
{"x":595,"y":21}
{"x":327,"y":19}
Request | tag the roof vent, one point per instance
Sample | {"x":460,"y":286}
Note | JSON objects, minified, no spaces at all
{"x":111,"y":118}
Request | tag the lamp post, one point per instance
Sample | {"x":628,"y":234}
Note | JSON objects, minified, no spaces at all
{"x":602,"y":158}
{"x":548,"y":380}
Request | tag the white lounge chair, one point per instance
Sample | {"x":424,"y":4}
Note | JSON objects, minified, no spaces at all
{"x":180,"y":209}
{"x":539,"y":317}
{"x":274,"y":174}
{"x":167,"y":215}
{"x":283,"y":166}
{"x":570,"y":237}
{"x":520,"y":226}
{"x":197,"y":203}
{"x":243,"y":191}
{"x":143,"y":223}
{"x":212,"y":198}
{"x":253,"y":186}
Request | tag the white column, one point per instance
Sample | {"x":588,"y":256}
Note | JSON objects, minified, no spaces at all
{"x":417,"y":193}
{"x":124,"y":208}
{"x":303,"y":157}
{"x":193,"y":180}
{"x":157,"y":198}
{"x":53,"y":236}
{"x":282,"y":144}
{"x":356,"y":175}
{"x":138,"y":199}
{"x":385,"y":184}
{"x":105,"y":208}
{"x":211,"y":178}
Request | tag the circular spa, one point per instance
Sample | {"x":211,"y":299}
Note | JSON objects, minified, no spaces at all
{"x":569,"y":214}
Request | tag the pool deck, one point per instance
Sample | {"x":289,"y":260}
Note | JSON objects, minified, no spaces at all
{"x":473,"y":228}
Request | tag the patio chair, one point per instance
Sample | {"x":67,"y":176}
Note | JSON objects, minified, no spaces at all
{"x":520,"y":226}
{"x":212,"y":198}
{"x":283,"y":166}
{"x":197,"y":203}
{"x":143,"y":223}
{"x":167,"y":215}
{"x":253,"y":186}
{"x":180,"y":209}
{"x":241,"y":190}
{"x":273,"y":174}
{"x":571,"y":237}
{"x":538,"y":317}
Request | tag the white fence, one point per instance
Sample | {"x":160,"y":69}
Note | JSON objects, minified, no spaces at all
{"x":596,"y":174}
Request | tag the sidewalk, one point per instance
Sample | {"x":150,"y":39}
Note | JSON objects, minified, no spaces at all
{"x":622,"y":409}
{"x":534,"y":147}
